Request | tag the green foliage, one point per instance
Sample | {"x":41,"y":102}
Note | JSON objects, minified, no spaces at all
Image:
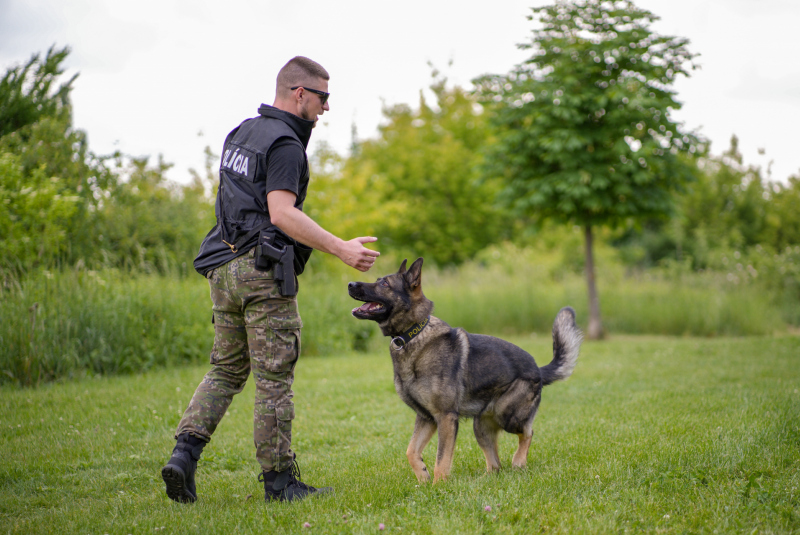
{"x":584,"y":132}
{"x":149,"y":223}
{"x":733,"y":207}
{"x":95,"y":251}
{"x":27,"y":95}
{"x":61,"y":205}
{"x":649,"y":435}
{"x":776,"y":272}
{"x":35,"y":213}
{"x":417,"y":185}
{"x":725,"y":208}
{"x":782,"y":228}
{"x":49,"y":180}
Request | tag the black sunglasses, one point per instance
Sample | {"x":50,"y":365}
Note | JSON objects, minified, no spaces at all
{"x":323,"y":96}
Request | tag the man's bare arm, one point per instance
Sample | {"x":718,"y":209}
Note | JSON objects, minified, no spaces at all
{"x":302,"y":228}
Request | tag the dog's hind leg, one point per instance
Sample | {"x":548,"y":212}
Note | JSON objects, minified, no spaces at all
{"x":448,"y":430}
{"x":515,"y":412}
{"x":525,"y":436}
{"x":423,"y":431}
{"x":521,"y":455}
{"x":486,"y":433}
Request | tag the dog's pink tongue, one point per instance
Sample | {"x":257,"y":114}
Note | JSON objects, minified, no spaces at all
{"x":367,"y":307}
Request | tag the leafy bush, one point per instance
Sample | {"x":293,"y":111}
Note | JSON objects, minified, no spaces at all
{"x":61,"y":204}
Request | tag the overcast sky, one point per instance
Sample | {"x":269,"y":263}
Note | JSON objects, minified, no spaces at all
{"x":171,"y":77}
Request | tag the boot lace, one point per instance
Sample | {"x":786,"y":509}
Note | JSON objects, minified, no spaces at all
{"x":295,"y":468}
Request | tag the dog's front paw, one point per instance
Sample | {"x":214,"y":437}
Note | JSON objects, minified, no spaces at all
{"x":422,"y":475}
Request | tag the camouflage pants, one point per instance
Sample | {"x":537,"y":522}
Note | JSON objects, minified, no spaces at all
{"x":255,"y":328}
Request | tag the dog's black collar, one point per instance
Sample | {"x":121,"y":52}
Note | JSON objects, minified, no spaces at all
{"x":399,"y":342}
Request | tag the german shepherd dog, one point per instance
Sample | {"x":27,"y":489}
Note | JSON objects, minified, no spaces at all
{"x":446,"y":373}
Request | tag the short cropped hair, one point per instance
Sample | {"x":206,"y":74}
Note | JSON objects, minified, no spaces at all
{"x":299,"y":71}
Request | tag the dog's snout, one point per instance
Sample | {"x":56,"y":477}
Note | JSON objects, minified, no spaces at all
{"x":352,"y":285}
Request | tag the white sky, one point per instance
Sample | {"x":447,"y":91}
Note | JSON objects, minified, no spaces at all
{"x":153,"y":74}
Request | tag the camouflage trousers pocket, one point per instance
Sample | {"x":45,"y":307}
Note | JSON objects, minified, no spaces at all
{"x":284,"y":414}
{"x":285,"y":344}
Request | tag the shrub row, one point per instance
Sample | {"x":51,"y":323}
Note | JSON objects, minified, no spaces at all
{"x":73,"y":322}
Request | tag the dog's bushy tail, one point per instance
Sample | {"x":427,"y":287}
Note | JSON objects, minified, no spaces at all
{"x":566,"y":344}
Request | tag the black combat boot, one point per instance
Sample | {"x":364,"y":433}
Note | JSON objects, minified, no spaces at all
{"x":178,"y":474}
{"x":286,"y":486}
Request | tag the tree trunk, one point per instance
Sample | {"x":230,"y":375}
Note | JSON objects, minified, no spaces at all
{"x":595,"y":326}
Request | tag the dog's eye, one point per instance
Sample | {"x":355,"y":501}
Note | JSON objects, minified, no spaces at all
{"x":383,"y":282}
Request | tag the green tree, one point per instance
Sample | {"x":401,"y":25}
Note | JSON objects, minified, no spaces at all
{"x":725,"y":208}
{"x":148,"y":223}
{"x":27,"y":95}
{"x":783,"y":217}
{"x":34,"y":215}
{"x":417,"y":185}
{"x":61,"y":204}
{"x":729,"y":207}
{"x":584,"y":128}
{"x":51,"y":183}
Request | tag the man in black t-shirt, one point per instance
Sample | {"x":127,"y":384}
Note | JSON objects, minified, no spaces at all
{"x":263,"y":182}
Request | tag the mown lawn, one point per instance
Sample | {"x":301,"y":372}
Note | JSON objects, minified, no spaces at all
{"x":666,"y":435}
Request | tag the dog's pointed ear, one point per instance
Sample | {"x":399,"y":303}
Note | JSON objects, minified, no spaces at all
{"x":403,"y":266}
{"x":414,"y":274}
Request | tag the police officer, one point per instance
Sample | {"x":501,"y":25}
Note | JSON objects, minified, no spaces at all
{"x":263,"y":182}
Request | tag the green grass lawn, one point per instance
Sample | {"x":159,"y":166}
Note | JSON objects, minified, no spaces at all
{"x":650,"y":434}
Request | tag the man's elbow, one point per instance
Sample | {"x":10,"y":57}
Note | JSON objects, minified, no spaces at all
{"x":277,"y":218}
{"x":280,"y":205}
{"x":282,"y":219}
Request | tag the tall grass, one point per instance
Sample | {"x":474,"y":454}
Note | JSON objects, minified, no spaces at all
{"x":643,"y":307}
{"x":522,"y":293}
{"x":77,"y":322}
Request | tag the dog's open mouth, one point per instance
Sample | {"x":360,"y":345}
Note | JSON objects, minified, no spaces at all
{"x":369,"y":309}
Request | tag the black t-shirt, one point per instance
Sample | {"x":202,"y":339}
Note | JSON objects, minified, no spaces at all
{"x":286,"y":166}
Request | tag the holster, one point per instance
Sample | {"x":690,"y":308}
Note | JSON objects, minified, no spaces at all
{"x":271,"y":254}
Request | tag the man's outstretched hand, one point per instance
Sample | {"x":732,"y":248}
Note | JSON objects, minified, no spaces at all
{"x":354,"y":254}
